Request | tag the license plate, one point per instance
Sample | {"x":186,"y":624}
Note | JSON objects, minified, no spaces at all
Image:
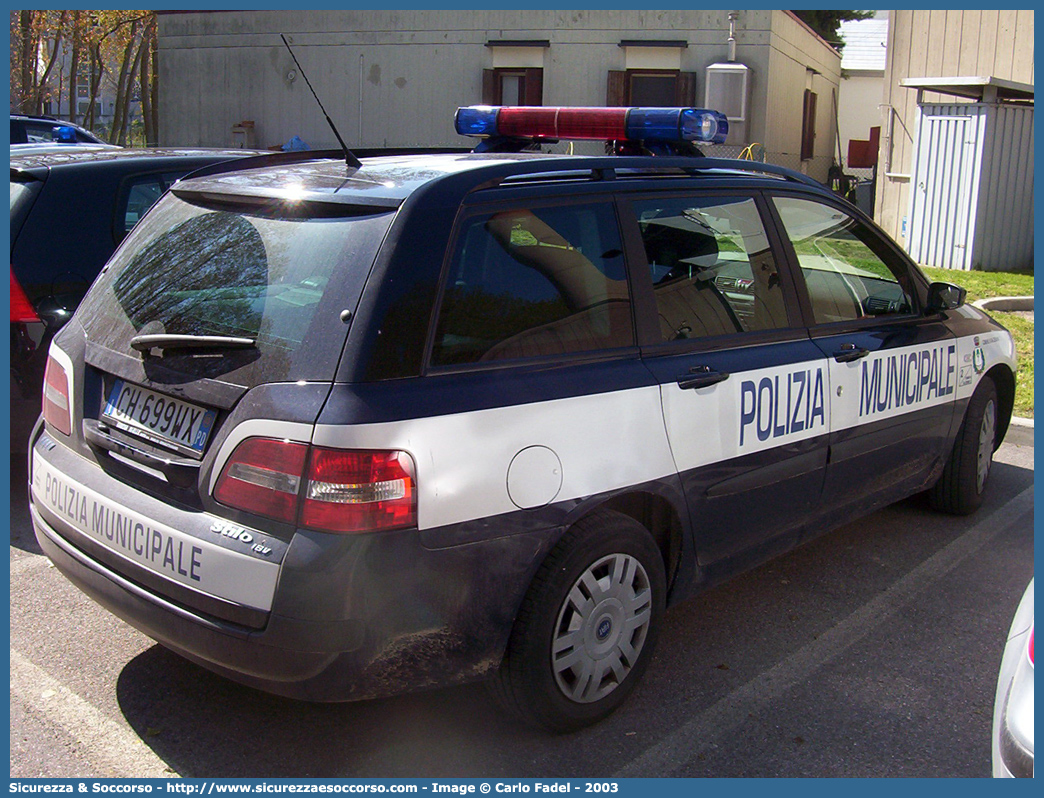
{"x":163,"y":420}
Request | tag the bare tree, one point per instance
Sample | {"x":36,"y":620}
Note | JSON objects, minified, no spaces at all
{"x":51,"y":52}
{"x":148,"y":87}
{"x":118,"y":132}
{"x":145,"y":91}
{"x":43,"y":85}
{"x":74,"y":66}
{"x":27,"y":59}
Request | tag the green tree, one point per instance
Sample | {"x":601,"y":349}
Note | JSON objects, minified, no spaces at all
{"x":826,"y":23}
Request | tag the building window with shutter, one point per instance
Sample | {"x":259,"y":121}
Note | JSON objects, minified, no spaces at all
{"x":652,"y":75}
{"x":656,"y":88}
{"x":808,"y":126}
{"x":517,"y":76}
{"x":513,"y":86}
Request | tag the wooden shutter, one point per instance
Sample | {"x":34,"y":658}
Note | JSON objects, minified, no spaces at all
{"x":616,"y":88}
{"x":490,"y":87}
{"x":808,"y":126}
{"x":534,"y":86}
{"x":685,"y":89}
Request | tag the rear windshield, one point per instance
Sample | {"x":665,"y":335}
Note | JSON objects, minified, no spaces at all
{"x":279,"y":279}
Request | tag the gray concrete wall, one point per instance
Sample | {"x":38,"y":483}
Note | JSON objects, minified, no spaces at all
{"x":394,"y":78}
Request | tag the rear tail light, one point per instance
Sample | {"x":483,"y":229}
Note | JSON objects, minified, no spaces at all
{"x":56,"y":405}
{"x":1029,"y":648}
{"x":263,"y":476}
{"x":359,"y":491}
{"x":22,"y":309}
{"x":330,"y":490}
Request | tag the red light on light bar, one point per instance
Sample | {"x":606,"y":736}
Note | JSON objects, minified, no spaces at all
{"x":592,"y":123}
{"x":528,"y":122}
{"x":562,"y":123}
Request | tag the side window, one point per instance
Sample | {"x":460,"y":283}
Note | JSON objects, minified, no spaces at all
{"x":137,"y":195}
{"x":534,"y":282}
{"x":845,"y":277}
{"x":40,"y":132}
{"x":712,"y":269}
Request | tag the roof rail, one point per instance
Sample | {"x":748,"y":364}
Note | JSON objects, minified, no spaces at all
{"x":261,"y":161}
{"x":757,"y":167}
{"x":608,"y":168}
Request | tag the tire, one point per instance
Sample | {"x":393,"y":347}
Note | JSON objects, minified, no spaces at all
{"x":587,"y":626}
{"x":963,"y":482}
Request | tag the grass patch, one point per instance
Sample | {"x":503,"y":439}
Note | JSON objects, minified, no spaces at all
{"x":1022,"y":330}
{"x":984,"y":285}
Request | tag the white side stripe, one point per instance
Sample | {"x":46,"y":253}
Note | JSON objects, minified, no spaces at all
{"x":603,"y":442}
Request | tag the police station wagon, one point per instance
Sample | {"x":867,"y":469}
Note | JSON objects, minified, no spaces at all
{"x":341,"y":429}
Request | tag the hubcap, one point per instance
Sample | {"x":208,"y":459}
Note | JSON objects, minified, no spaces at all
{"x":987,"y":435}
{"x":601,"y":628}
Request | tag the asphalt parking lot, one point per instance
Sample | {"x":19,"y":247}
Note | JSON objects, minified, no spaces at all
{"x":872,"y":651}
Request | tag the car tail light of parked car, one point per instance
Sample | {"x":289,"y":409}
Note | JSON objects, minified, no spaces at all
{"x":22,"y":310}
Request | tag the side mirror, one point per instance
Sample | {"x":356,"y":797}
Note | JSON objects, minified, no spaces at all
{"x":945,"y":296}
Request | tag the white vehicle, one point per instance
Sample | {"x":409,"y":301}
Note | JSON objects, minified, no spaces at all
{"x":1013,"y":707}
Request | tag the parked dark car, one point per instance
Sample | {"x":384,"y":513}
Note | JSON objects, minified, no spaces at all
{"x":70,"y":208}
{"x":47,"y":129}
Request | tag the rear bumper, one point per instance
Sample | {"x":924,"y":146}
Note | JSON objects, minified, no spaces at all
{"x":223,"y":647}
{"x":353,"y":617}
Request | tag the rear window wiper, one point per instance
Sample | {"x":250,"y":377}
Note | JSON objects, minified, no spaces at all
{"x":146,"y":343}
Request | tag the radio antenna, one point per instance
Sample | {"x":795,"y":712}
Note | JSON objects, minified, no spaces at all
{"x":349,"y":158}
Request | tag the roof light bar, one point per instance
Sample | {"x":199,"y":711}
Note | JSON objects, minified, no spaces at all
{"x":636,"y":124}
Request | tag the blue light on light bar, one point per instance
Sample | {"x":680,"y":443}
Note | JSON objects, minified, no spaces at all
{"x":699,"y":124}
{"x":476,"y":120}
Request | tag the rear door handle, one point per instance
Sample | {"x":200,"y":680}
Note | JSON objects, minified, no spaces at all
{"x":701,"y":377}
{"x":849,"y":352}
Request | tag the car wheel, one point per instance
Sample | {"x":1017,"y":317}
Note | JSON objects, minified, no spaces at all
{"x":963,"y":481}
{"x":587,"y":626}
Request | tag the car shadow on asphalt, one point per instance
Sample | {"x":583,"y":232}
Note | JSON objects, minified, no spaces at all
{"x":201,"y":724}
